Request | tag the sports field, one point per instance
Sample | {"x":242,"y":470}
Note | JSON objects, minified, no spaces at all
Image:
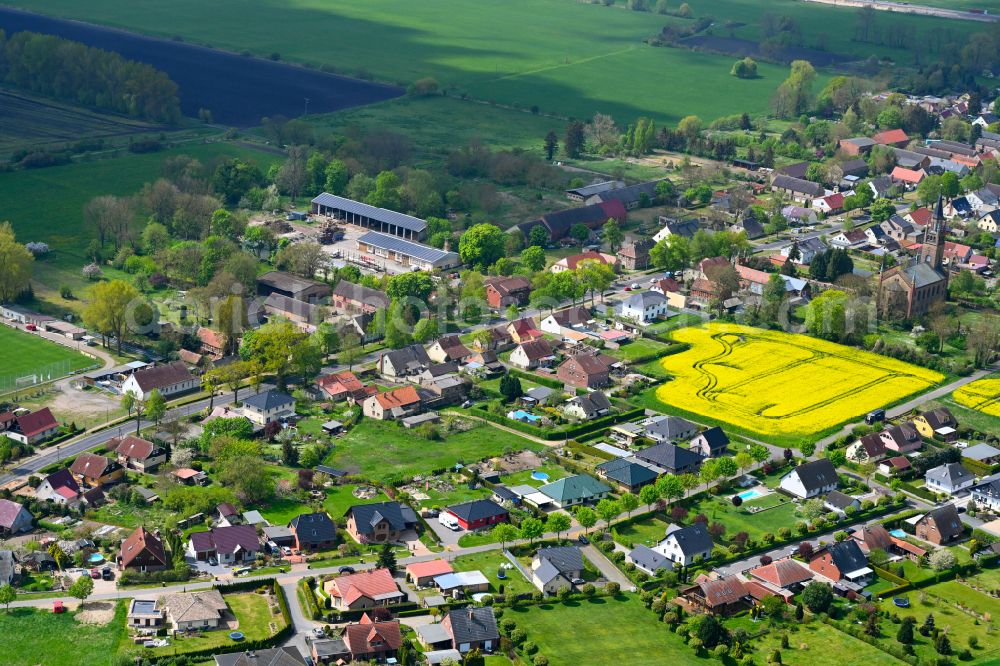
{"x":982,"y":395}
{"x":778,"y":384}
{"x":566,"y":57}
{"x":23,"y":353}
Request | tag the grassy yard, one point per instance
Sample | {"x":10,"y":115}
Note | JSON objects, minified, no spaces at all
{"x":817,"y":644}
{"x":586,"y":632}
{"x":555,"y":473}
{"x":648,"y":531}
{"x":24,"y":353}
{"x":738,"y":519}
{"x":380,"y":450}
{"x":642,"y":347}
{"x":129,"y":516}
{"x":941,"y":600}
{"x":33,"y":637}
{"x":255,"y":619}
{"x":489,"y":563}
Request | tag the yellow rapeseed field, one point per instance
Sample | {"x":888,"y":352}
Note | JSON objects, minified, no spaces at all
{"x":982,"y":395}
{"x":776,"y":383}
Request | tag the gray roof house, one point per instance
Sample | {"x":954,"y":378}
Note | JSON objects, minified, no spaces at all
{"x":627,"y":474}
{"x":671,"y":458}
{"x":987,"y":493}
{"x":281,"y":656}
{"x":471,"y":628}
{"x":948,"y":479}
{"x":411,"y":360}
{"x":711,"y":443}
{"x":839,"y":502}
{"x":648,"y":560}
{"x":7,"y":562}
{"x":573,"y":490}
{"x":553,"y":569}
{"x":668,"y":428}
{"x":811,"y":479}
{"x":983,"y":453}
{"x":588,"y":406}
{"x":686,"y":544}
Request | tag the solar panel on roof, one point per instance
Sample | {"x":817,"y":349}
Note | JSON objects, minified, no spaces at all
{"x":408,"y":248}
{"x":381,"y":214}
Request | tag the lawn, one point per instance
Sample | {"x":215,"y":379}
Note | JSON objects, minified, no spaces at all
{"x":555,"y":473}
{"x":382,"y":450}
{"x":940,"y":599}
{"x":738,"y":519}
{"x":491,"y":53}
{"x":488,"y":563}
{"x":647,"y":531}
{"x":817,"y":644}
{"x":642,"y":347}
{"x":33,"y":637}
{"x":254,"y":616}
{"x":764,"y":382}
{"x":24,"y":354}
{"x":341,"y":498}
{"x":588,"y":631}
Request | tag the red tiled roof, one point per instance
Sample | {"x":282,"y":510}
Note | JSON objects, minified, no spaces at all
{"x":921,"y":216}
{"x":91,"y":466}
{"x":63,"y":479}
{"x":371,"y":584}
{"x":722,"y":591}
{"x":132,"y":447}
{"x":139,"y":541}
{"x":668,"y":284}
{"x":907,"y":175}
{"x":891,"y":136}
{"x":8,"y":512}
{"x":366,"y":636}
{"x":834,"y":201}
{"x":430,"y":568}
{"x":782,"y":573}
{"x":572,"y":262}
{"x":340,"y":382}
{"x":36,"y":422}
{"x":752,"y":274}
{"x":400,"y":397}
{"x":211,"y":338}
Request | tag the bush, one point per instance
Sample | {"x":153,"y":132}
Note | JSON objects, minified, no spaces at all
{"x":540,"y":660}
{"x":530,"y":648}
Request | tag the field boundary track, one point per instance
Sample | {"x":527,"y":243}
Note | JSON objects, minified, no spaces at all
{"x":906,"y":8}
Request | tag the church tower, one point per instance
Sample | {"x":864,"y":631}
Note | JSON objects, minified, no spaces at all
{"x":932,"y":249}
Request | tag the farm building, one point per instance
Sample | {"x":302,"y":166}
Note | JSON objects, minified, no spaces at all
{"x":406,"y":252}
{"x":378,"y":219}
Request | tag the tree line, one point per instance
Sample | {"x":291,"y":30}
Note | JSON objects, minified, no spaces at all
{"x":80,"y":74}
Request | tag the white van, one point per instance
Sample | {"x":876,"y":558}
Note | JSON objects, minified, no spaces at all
{"x":448,"y":521}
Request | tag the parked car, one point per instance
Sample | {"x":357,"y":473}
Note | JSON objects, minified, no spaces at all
{"x":285,"y":550}
{"x":875,"y":416}
{"x":583,"y":539}
{"x":467,"y":404}
{"x":345,"y":570}
{"x":578,"y":581}
{"x":213,"y":560}
{"x":242,"y":571}
{"x":449,"y":521}
{"x":31,"y":327}
{"x":95,"y":574}
{"x":107,"y":574}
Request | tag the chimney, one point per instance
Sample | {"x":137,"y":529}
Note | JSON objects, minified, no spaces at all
{"x":471,"y":614}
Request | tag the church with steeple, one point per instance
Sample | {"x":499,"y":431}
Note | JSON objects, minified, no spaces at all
{"x":909,"y":291}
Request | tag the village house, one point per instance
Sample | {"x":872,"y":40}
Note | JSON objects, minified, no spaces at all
{"x":797,"y":215}
{"x":859,"y":145}
{"x":559,"y":223}
{"x":634,"y":255}
{"x":870,"y":448}
{"x":369,"y":640}
{"x":211,"y":343}
{"x":288,"y":655}
{"x":447,"y":348}
{"x":297,"y":312}
{"x":982,"y":453}
{"x":502,"y":292}
{"x":718,"y":596}
{"x":892,"y":137}
{"x":908,"y":178}
{"x":797,"y":189}
{"x":194,"y":610}
{"x":581,"y":194}
{"x":231,"y":544}
{"x":478,"y":514}
{"x":351,"y":298}
{"x":60,"y":488}
{"x":948,"y":479}
{"x":710,"y":443}
{"x":572,"y":262}
{"x":472,"y":628}
{"x":807,"y":250}
{"x":852,"y":239}
{"x":811,"y":479}
{"x":30,"y":428}
{"x":894,"y":466}
{"x":587,"y":407}
{"x":566,"y":321}
{"x":573,"y":490}
{"x":462,"y":584}
{"x":170,"y":380}
{"x":14,"y":518}
{"x":137,"y":453}
{"x":670,"y":458}
{"x":842,"y":561}
{"x":631,"y":196}
{"x":555,"y":568}
{"x":783,"y":574}
{"x":839,"y":502}
{"x":268,"y":406}
{"x":902,"y":438}
{"x":686,"y":545}
{"x":938,"y":422}
{"x":292,"y":286}
{"x":628,"y":475}
{"x":987,"y":494}
{"x":671,"y":227}
{"x":648,"y":560}
{"x":345,"y":386}
{"x":586,"y":371}
{"x":313,"y":531}
{"x":393,"y":404}
{"x":398,"y":363}
{"x":422,"y":574}
{"x":366,"y":589}
{"x":93,"y":471}
{"x":532,"y":354}
{"x":644,"y":306}
{"x":379,"y":523}
{"x":142,"y":551}
{"x":940,"y":526}
{"x":144,"y":617}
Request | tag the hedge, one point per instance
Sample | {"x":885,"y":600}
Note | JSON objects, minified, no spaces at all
{"x":586,"y":449}
{"x":277,"y":639}
{"x":565,"y":433}
{"x":538,"y":379}
{"x":308,"y":595}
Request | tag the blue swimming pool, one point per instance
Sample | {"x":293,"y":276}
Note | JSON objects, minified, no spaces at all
{"x":540,"y":476}
{"x":753,"y":493}
{"x":96,"y":558}
{"x":899,"y":534}
{"x":521,"y":415}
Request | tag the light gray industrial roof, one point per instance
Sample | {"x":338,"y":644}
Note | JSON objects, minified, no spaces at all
{"x":409,"y":248}
{"x":380,"y":214}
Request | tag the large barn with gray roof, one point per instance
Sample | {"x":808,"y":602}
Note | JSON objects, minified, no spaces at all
{"x":372,"y":217}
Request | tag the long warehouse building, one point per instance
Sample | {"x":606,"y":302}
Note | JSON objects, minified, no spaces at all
{"x":378,"y":219}
{"x":406,"y":252}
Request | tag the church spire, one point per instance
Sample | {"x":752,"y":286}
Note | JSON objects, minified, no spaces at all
{"x":932,"y":249}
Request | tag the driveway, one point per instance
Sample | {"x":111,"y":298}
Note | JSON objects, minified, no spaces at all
{"x":607,"y":568}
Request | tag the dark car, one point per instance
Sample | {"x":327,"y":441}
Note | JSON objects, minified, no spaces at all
{"x":583,"y":539}
{"x":875,"y":416}
{"x":107,"y":574}
{"x":346,"y":570}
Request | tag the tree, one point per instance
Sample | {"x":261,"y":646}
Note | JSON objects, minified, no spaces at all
{"x":942,"y":644}
{"x":573,"y":143}
{"x":607,"y":509}
{"x":426,"y":330}
{"x":670,"y":486}
{"x":882,"y":210}
{"x":133,"y":405}
{"x":386,"y":558}
{"x":156,"y":406}
{"x":558,"y":523}
{"x":510,"y":388}
{"x":580,"y":233}
{"x":596,"y":277}
{"x":7,"y":595}
{"x":481,"y":246}
{"x":689,"y":482}
{"x":289,"y":452}
{"x":744,"y":69}
{"x":531,"y":529}
{"x":673,"y":253}
{"x":711,"y":631}
{"x":551,"y":144}
{"x":628,"y":503}
{"x":942,"y":560}
{"x":905,"y":633}
{"x":533,"y":258}
{"x":794,"y":95}
{"x":234,"y":178}
{"x":249,"y":478}
{"x":305,"y":259}
{"x":538,"y":236}
{"x":82,"y":587}
{"x":293,"y":175}
{"x":817,"y":597}
{"x":929,"y":189}
{"x":109,"y":310}
{"x":613,"y":235}
{"x":648,"y":495}
{"x":504,"y":532}
{"x":586,"y":517}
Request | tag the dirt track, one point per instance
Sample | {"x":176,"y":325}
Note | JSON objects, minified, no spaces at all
{"x":905,"y":8}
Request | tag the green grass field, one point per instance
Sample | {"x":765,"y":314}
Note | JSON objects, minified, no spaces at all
{"x":33,"y":637}
{"x":252,"y":613}
{"x":25,"y":353}
{"x":488,"y":563}
{"x":379,"y":450}
{"x":817,"y":644}
{"x":568,"y":58}
{"x":592,"y":631}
